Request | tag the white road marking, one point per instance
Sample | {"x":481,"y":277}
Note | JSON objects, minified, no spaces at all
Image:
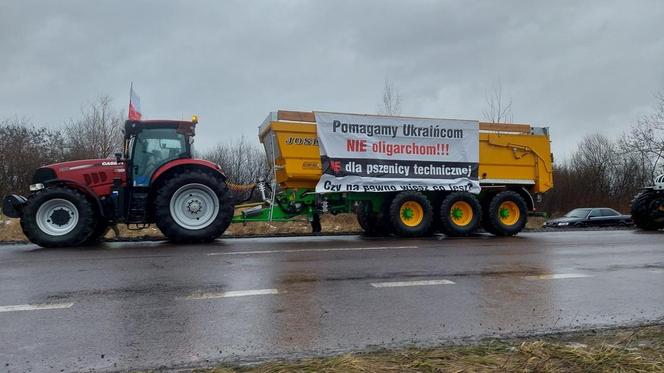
{"x":657,"y":270}
{"x":35,"y":307}
{"x":395,"y":284}
{"x":315,"y":250}
{"x":233,"y":294}
{"x":557,"y":276}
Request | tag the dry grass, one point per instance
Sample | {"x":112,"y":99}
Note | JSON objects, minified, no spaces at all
{"x":625,"y":350}
{"x":535,"y":222}
{"x":10,"y":229}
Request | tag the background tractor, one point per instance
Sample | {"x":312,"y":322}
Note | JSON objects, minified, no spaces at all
{"x":155,"y":180}
{"x":648,"y":206}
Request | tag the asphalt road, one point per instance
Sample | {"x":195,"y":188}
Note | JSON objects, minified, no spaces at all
{"x":154,"y":304}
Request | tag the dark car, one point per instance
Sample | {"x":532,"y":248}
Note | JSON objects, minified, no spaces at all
{"x":590,"y":217}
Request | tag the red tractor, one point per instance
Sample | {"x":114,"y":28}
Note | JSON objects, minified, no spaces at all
{"x":156,"y":180}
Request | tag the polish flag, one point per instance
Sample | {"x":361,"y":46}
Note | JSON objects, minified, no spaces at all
{"x":134,"y":104}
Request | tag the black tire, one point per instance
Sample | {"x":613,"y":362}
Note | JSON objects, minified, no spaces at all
{"x":421,"y":220}
{"x":315,"y":224}
{"x":80,"y":232}
{"x":169,"y":225}
{"x":101,"y":228}
{"x":369,"y":221}
{"x":485,"y":223}
{"x":460,"y":226}
{"x":501,"y":226}
{"x":373,"y":223}
{"x":645,"y":212}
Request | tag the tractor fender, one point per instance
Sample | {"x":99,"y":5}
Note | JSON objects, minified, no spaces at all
{"x":80,"y":187}
{"x":188,"y":163}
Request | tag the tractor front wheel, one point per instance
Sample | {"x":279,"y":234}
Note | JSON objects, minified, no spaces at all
{"x":193,"y":206}
{"x":58,"y":217}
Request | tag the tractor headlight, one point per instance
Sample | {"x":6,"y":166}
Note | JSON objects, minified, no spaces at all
{"x":36,"y":187}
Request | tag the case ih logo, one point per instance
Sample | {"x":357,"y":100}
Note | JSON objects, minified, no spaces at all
{"x":109,"y":163}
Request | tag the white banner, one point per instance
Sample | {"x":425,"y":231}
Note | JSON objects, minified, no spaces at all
{"x":372,"y":153}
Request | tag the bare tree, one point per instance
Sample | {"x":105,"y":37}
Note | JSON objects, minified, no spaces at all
{"x":646,"y":138}
{"x":499,"y":109}
{"x":98,"y":133}
{"x":242,"y":161}
{"x":25,"y":148}
{"x":599,"y":173}
{"x":391,"y":103}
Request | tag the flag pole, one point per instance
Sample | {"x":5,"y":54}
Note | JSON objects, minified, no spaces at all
{"x":131,"y":88}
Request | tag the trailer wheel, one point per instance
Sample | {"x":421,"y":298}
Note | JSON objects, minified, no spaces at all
{"x":648,"y":210}
{"x":193,"y":206}
{"x":411,"y":214}
{"x":316,"y":226}
{"x":58,"y":217}
{"x":507,"y":214}
{"x":460,"y":214}
{"x":372,"y":223}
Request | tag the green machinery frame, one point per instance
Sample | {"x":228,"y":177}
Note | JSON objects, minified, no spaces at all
{"x":291,"y":203}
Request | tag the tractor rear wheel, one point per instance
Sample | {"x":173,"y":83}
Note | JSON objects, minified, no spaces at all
{"x":506,"y":214}
{"x":193,"y":206}
{"x":648,"y":210}
{"x":460,"y":214}
{"x":58,"y":217}
{"x":411,"y":214}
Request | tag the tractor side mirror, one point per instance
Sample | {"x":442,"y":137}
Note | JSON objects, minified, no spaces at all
{"x":118,"y":157}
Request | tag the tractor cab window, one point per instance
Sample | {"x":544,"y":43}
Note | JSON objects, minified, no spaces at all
{"x":151,"y":149}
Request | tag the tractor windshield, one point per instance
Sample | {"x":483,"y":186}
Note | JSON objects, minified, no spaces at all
{"x":152,"y":148}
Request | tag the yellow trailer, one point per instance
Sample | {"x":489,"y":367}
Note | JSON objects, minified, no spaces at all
{"x":515,"y":168}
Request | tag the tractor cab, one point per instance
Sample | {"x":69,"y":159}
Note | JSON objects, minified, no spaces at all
{"x":150,"y":144}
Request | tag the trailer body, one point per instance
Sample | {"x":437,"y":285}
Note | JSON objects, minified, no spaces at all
{"x":515,"y":164}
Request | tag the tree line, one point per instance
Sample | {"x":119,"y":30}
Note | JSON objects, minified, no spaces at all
{"x":605,"y":171}
{"x":602,"y":171}
{"x":97,"y":133}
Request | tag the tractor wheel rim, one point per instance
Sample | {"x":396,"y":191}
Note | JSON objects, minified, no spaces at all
{"x":411,"y":213}
{"x":194,"y":206}
{"x":461,"y":213}
{"x":509,"y":213}
{"x":57,"y":217}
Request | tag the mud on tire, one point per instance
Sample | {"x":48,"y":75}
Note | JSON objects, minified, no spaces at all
{"x":58,"y":217}
{"x":193,"y":206}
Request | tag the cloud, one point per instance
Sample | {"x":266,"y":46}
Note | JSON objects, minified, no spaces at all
{"x":578,"y":67}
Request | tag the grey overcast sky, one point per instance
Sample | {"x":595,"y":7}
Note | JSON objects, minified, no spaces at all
{"x":575,"y":66}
